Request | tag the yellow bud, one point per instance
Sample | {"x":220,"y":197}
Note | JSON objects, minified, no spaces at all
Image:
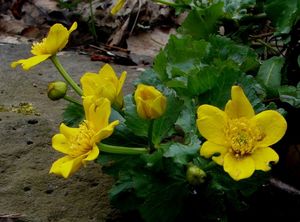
{"x":150,"y":103}
{"x":57,"y":90}
{"x":195,"y":175}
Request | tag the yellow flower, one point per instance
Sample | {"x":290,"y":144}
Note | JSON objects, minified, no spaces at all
{"x":104,"y":84}
{"x":56,"y":40}
{"x":239,"y":137}
{"x":117,"y":7}
{"x":150,"y":102}
{"x":80,"y":144}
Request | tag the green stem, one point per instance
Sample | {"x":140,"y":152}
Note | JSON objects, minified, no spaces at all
{"x":92,"y":26}
{"x":70,"y":99}
{"x":150,"y":133}
{"x":121,"y":149}
{"x":66,"y":76}
{"x":267,"y":45}
{"x":172,"y":4}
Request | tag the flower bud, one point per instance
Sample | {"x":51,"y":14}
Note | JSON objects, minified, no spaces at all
{"x":195,"y":175}
{"x":150,"y":103}
{"x":57,"y":90}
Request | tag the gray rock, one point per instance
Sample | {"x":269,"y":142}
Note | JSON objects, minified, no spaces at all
{"x":26,"y":154}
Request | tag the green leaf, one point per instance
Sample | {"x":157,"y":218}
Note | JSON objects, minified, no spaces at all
{"x":225,"y":49}
{"x":284,"y":14}
{"x":254,"y":92}
{"x":269,"y":74}
{"x":183,"y":153}
{"x":220,"y":93}
{"x":202,"y":80}
{"x":290,"y":95}
{"x":187,"y":118}
{"x":200,"y":23}
{"x":178,"y":57}
{"x":238,"y":8}
{"x":165,"y":202}
{"x":136,"y":124}
{"x":163,"y":124}
{"x":73,"y":115}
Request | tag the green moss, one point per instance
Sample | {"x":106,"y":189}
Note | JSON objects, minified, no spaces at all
{"x":23,"y":108}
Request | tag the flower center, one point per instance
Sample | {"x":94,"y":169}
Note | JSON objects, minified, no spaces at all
{"x":82,"y":142}
{"x":242,"y":136}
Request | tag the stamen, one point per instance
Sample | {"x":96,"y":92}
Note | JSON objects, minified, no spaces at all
{"x":242,"y":136}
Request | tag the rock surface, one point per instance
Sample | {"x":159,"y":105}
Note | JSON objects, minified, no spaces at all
{"x":26,"y":155}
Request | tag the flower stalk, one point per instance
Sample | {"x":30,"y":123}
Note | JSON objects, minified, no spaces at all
{"x":65,"y":75}
{"x":150,"y":133}
{"x":72,"y":100}
{"x":121,"y":149}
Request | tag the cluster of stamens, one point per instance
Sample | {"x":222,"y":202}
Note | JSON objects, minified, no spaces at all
{"x":242,"y":136}
{"x":81,"y":143}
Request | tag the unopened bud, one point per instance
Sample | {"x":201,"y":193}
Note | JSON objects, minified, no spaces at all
{"x":195,"y":175}
{"x":57,"y":90}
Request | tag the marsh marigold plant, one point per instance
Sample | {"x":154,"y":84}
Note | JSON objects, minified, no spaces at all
{"x":80,"y":144}
{"x":239,"y":137}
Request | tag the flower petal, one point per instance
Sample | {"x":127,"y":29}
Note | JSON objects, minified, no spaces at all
{"x":272,"y":125}
{"x":61,"y":143}
{"x":239,"y":106}
{"x":121,"y":82}
{"x":98,"y":113}
{"x":105,"y":132}
{"x":238,"y":168}
{"x":73,"y":27}
{"x":57,"y":39}
{"x":158,"y":107}
{"x":89,"y":82}
{"x":107,"y":72}
{"x":68,"y":132}
{"x":211,"y":123}
{"x":67,"y":165}
{"x":208,"y":149}
{"x":92,"y":155}
{"x":262,"y":158}
{"x":30,"y":62}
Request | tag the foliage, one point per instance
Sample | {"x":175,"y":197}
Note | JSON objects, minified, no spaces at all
{"x":220,"y":44}
{"x":198,"y":66}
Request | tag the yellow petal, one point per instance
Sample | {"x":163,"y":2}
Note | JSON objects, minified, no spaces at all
{"x":68,"y":132}
{"x":211,"y":123}
{"x":89,"y":82}
{"x":262,"y":158}
{"x":73,"y":27}
{"x":92,"y":155}
{"x":105,"y":132}
{"x":108,"y":73}
{"x":141,"y":107}
{"x":98,"y":114}
{"x":121,"y":81}
{"x":57,"y":39}
{"x":238,"y":168}
{"x":208,"y":149}
{"x":61,"y":143}
{"x":117,"y":7}
{"x":67,"y":165}
{"x":30,"y":62}
{"x":239,"y":106}
{"x":158,"y":107}
{"x":272,"y":125}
